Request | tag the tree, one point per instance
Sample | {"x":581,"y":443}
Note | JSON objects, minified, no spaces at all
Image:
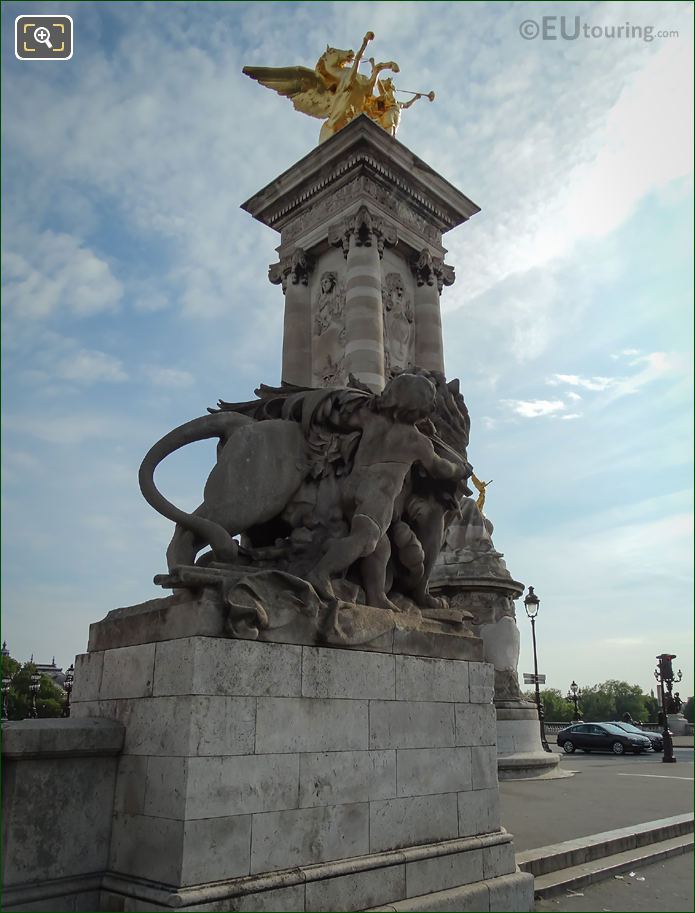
{"x":688,"y":710}
{"x":555,"y":707}
{"x":49,"y":700}
{"x":597,"y":705}
{"x":611,"y":700}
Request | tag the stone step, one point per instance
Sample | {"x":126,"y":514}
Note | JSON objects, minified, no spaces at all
{"x":583,"y":850}
{"x":578,"y":876}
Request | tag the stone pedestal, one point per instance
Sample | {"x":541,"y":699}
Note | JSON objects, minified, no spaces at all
{"x":474,"y":576}
{"x":361,"y":265}
{"x":269,"y":776}
{"x":678,"y":724}
{"x":520,"y":752}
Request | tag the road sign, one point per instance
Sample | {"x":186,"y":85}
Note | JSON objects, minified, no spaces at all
{"x":530,"y":679}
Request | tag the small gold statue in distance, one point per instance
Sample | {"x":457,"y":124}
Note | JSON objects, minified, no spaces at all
{"x":335,"y":91}
{"x":481,"y":486}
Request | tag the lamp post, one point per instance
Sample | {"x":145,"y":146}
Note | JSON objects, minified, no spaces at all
{"x":574,"y":695}
{"x":665,"y":677}
{"x":532,"y":604}
{"x":34,"y":685}
{"x":6,"y":682}
{"x":67,"y":685}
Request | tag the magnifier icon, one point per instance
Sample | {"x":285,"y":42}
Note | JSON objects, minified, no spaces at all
{"x":43,"y":36}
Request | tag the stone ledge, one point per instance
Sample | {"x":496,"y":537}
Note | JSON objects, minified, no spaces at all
{"x":196,"y":896}
{"x":53,"y":893}
{"x":189,"y":614}
{"x":508,"y":893}
{"x":531,"y":765}
{"x":54,"y":738}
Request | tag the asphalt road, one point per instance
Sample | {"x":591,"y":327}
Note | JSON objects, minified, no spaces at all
{"x":664,"y":886}
{"x":607,"y":792}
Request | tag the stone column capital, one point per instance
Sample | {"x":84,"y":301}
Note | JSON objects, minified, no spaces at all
{"x":429,"y":270}
{"x":295,"y":268}
{"x":363,"y":229}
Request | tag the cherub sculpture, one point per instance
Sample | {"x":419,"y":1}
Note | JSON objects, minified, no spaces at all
{"x":335,"y":91}
{"x":385,"y":110}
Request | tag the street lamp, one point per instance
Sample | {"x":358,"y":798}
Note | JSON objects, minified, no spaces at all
{"x":532,"y":604}
{"x":34,"y":685}
{"x":67,"y":685}
{"x":6,"y":682}
{"x":665,"y":677}
{"x":574,"y":695}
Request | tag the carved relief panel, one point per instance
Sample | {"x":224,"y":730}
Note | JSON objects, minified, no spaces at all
{"x":399,"y":327}
{"x":397,"y":295}
{"x":328,"y":326}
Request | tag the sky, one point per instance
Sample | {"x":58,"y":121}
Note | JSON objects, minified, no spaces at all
{"x":135,"y":293}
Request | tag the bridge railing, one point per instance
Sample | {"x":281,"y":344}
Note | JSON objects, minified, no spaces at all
{"x":553,"y":727}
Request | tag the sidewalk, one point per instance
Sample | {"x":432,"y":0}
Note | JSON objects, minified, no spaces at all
{"x":666,"y":886}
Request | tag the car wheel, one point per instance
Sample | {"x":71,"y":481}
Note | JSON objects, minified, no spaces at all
{"x":568,"y":747}
{"x":618,"y":748}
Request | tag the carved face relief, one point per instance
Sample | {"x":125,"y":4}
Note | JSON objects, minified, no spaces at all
{"x":329,"y":331}
{"x":329,"y":307}
{"x":398,"y":323}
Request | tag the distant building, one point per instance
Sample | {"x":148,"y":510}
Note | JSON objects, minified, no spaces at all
{"x":55,"y":673}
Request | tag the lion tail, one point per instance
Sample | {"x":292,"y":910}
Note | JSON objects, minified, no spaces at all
{"x":219,"y":425}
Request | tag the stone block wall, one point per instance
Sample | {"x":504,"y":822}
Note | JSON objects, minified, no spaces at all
{"x":58,"y":779}
{"x":242,"y":759}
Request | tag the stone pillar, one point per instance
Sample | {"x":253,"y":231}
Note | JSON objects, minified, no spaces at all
{"x":431,"y":275}
{"x":362,"y":239}
{"x":293,"y":273}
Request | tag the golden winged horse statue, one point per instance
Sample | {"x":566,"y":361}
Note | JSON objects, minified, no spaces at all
{"x":334,"y":91}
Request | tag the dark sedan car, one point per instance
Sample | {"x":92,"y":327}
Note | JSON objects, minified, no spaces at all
{"x":601,"y":737}
{"x":656,"y":738}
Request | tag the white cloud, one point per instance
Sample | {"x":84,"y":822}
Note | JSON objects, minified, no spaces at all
{"x":571,"y":415}
{"x":652,"y":367}
{"x":66,"y":429}
{"x":170,"y":377}
{"x":535,"y":408}
{"x":573,"y":396}
{"x":57,"y":272}
{"x":625,"y":352}
{"x":588,"y":383}
{"x":91,"y":366}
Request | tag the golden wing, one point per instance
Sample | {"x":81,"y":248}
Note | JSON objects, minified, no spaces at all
{"x":304,"y":87}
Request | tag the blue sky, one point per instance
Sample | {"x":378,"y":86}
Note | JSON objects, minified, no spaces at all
{"x":135,"y":294}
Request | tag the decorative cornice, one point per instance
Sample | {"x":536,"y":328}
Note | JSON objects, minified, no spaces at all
{"x":361,"y":148}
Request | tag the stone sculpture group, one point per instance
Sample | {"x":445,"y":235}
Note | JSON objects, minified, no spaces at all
{"x":346,"y":491}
